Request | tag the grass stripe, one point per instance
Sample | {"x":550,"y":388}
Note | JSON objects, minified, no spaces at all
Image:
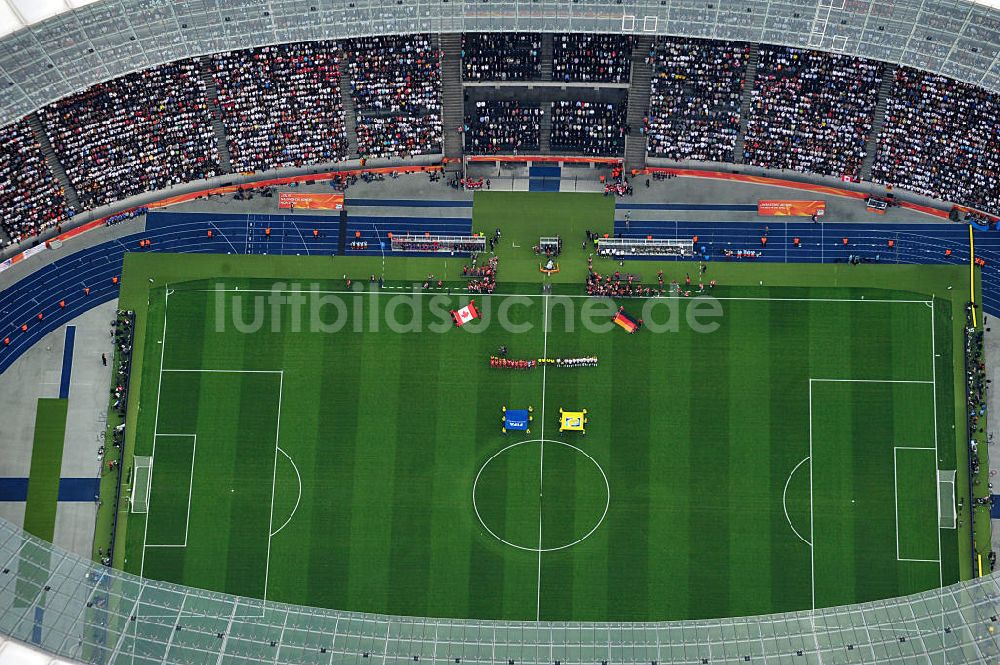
{"x":788,"y":431}
{"x":46,"y":465}
{"x":410,"y":550}
{"x":709,"y":469}
{"x":916,"y":503}
{"x":43,"y":495}
{"x":753,"y":507}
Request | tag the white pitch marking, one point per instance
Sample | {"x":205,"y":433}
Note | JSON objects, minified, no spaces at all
{"x":812,"y":506}
{"x":298,"y":476}
{"x":869,"y":381}
{"x":479,"y":517}
{"x":229,"y":371}
{"x":784,"y":505}
{"x":281,"y":377}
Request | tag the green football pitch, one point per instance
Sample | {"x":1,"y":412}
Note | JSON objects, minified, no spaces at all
{"x":797,"y":452}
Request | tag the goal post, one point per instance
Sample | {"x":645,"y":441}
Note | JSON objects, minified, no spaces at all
{"x":946,"y":499}
{"x":142,"y":473}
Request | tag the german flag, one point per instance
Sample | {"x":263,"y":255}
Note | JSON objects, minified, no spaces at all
{"x":625,"y":321}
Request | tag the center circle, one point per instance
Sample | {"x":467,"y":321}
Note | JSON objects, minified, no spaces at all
{"x":541,"y":495}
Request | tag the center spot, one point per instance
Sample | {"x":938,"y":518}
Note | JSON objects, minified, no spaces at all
{"x":541,"y":496}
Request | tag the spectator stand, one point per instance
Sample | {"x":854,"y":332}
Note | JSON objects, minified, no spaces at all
{"x":501,"y":57}
{"x":141,"y":132}
{"x":31,"y":199}
{"x":281,"y":105}
{"x":579,"y":61}
{"x":695,"y":97}
{"x":941,"y":138}
{"x":811,"y":111}
{"x":592,"y":58}
{"x":396,"y":89}
{"x":589,"y":127}
{"x":502,"y":126}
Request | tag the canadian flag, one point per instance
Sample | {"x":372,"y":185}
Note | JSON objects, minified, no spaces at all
{"x":466,"y":314}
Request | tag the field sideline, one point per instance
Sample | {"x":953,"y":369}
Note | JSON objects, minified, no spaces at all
{"x":787,"y":459}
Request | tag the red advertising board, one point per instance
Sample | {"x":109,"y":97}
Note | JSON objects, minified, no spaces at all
{"x":311,"y":200}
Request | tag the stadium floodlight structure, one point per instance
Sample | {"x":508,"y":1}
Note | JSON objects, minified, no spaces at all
{"x":43,"y":61}
{"x":83,"y":612}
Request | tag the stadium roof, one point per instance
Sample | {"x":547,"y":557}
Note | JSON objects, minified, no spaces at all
{"x":16,"y":14}
{"x":80,"y":611}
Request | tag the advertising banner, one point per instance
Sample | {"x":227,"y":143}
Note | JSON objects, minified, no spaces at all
{"x":791,"y":208}
{"x":311,"y":200}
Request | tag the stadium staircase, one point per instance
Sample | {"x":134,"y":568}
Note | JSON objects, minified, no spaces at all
{"x":888,"y":79}
{"x":452,"y":93}
{"x":350,"y":113}
{"x":53,"y":161}
{"x":545,"y":129}
{"x":638,"y":103}
{"x":546,"y":56}
{"x":749,"y":81}
{"x":212,"y":92}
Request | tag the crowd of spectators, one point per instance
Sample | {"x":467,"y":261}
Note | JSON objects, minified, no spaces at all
{"x":396,"y":88}
{"x":695,"y":98}
{"x":502,"y":126}
{"x":589,"y":128}
{"x":976,"y":387}
{"x":941,"y":138}
{"x":281,"y":105}
{"x":501,"y":56}
{"x":583,"y":58}
{"x":141,"y":132}
{"x":31,"y":199}
{"x":811,"y":111}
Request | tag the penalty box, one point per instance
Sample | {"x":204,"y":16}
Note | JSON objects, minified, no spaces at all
{"x":874,"y":484}
{"x":213,"y":465}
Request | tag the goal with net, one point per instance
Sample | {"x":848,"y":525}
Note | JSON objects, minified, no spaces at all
{"x":142,"y":473}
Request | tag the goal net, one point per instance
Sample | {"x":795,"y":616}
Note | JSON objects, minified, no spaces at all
{"x":946,"y":499}
{"x":142,"y":473}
